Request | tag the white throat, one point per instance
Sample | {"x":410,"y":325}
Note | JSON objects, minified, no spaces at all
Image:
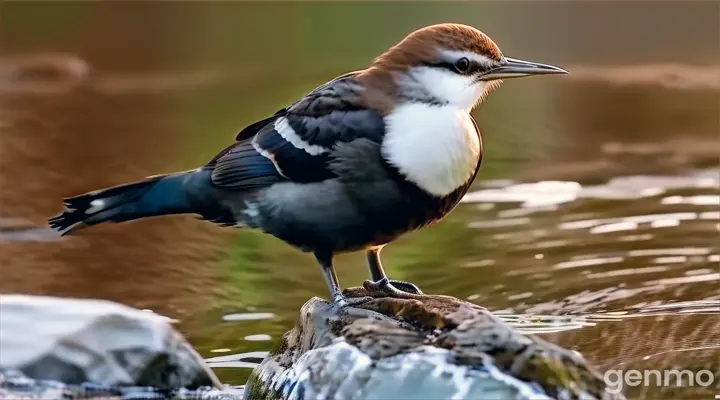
{"x":435,"y":147}
{"x":446,"y":86}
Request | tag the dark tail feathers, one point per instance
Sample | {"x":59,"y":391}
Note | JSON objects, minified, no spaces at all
{"x":154,"y":196}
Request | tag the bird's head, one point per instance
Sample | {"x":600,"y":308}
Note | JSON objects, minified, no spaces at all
{"x":451,"y":64}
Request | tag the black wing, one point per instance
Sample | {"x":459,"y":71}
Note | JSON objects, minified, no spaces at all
{"x":296,"y":143}
{"x":252,"y":129}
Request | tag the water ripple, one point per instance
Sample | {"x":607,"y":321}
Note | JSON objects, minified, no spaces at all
{"x":20,"y":230}
{"x":247,"y":316}
{"x":547,"y":193}
{"x":239,"y":360}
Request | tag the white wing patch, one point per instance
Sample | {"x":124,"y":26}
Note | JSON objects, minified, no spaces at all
{"x":288,"y":133}
{"x":437,"y":148}
{"x":95,"y":206}
{"x":267,"y":155}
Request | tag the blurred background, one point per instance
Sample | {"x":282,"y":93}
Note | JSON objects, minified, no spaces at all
{"x":594,"y":220}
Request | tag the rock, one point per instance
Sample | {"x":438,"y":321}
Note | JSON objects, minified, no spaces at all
{"x":428,"y":347}
{"x":16,"y":386}
{"x":76,"y":341}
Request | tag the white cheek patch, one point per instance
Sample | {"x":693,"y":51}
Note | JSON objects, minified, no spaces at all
{"x":435,"y":147}
{"x":449,"y":87}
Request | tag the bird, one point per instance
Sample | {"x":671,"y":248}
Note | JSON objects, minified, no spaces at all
{"x":354,"y":164}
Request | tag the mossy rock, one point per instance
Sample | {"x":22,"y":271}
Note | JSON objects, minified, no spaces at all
{"x":423,"y":347}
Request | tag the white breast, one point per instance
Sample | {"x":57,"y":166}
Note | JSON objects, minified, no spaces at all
{"x":435,"y":147}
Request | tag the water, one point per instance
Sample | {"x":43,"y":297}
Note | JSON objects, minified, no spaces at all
{"x":594,"y":221}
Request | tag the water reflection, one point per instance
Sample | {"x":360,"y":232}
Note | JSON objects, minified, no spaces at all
{"x":536,"y":324}
{"x":257,"y":338}
{"x":223,"y":350}
{"x":42,"y":73}
{"x":240,"y":360}
{"x":247,"y":316}
{"x":539,"y":195}
{"x":14,"y":229}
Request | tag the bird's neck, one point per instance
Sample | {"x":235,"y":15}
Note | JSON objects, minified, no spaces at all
{"x":435,"y":147}
{"x":380,"y":90}
{"x":399,"y":85}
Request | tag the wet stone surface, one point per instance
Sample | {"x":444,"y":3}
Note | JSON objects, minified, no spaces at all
{"x":77,"y":340}
{"x":427,"y":347}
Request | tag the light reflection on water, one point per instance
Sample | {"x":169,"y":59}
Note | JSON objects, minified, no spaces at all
{"x":239,"y":360}
{"x":247,"y":316}
{"x":633,"y":263}
{"x":540,"y":195}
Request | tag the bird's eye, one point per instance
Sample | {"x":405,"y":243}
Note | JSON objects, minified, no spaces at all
{"x":462,"y":65}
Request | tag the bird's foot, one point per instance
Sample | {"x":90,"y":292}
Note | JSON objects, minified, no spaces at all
{"x":398,"y":289}
{"x":340,"y":301}
{"x":406,"y":287}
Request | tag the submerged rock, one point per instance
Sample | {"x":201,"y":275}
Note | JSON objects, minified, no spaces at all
{"x":430,"y":347}
{"x":74,"y":341}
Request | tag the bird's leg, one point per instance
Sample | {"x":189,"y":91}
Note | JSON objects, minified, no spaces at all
{"x":328,"y":271}
{"x":381,"y":281}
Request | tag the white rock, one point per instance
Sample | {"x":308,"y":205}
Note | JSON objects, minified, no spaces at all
{"x":76,"y":340}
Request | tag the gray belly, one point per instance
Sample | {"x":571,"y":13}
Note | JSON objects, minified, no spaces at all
{"x":327,"y":216}
{"x":340,"y":217}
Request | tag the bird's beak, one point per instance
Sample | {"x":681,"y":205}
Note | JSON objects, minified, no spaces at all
{"x":514,"y":68}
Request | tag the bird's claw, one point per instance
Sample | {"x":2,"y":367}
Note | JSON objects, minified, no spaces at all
{"x":399,"y":289}
{"x":340,"y":302}
{"x":406,"y":287}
